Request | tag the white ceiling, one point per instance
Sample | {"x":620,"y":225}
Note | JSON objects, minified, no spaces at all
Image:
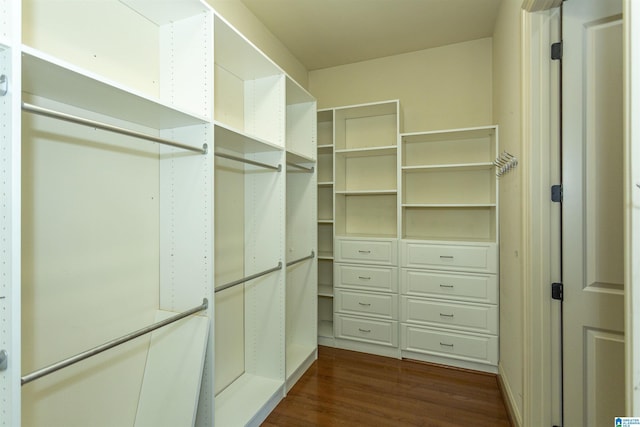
{"x":326,"y":33}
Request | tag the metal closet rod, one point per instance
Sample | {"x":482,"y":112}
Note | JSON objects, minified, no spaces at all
{"x":113,"y":343}
{"x":251,"y":162}
{"x":304,"y":168}
{"x":290,"y":263}
{"x":246,"y":279}
{"x":110,"y":128}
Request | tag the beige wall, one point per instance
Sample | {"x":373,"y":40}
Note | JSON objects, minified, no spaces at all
{"x":440,"y":88}
{"x":246,"y":22}
{"x":507,"y":114}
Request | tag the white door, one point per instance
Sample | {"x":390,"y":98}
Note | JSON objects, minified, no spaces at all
{"x":593,"y":232}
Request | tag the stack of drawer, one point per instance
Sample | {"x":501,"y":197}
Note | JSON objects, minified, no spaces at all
{"x":448,"y":304}
{"x":366,"y":291}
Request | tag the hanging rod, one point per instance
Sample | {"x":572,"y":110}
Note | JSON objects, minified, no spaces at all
{"x":246,"y":279}
{"x":108,"y":345}
{"x":92,"y":123}
{"x":290,"y":263}
{"x":251,"y":162}
{"x":303,"y":168}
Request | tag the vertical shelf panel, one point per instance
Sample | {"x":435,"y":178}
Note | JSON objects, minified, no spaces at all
{"x":301,"y":219}
{"x":10,"y":213}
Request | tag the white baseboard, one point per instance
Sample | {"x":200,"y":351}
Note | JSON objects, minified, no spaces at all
{"x":512,"y":409}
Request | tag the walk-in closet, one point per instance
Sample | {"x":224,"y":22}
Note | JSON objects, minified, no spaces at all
{"x":210,"y":209}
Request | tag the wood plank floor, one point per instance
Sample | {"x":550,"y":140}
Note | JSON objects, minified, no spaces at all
{"x":345,"y":388}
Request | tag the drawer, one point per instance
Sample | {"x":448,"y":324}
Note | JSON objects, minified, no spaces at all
{"x":481,"y":257}
{"x":367,"y":330}
{"x":367,"y":304}
{"x":471,"y":317}
{"x":383,"y":279}
{"x":476,"y":348}
{"x":366,"y":251}
{"x":465,"y":287}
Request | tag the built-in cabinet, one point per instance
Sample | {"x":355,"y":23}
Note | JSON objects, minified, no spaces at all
{"x":448,"y":251}
{"x":415,"y":234}
{"x":173,"y":180}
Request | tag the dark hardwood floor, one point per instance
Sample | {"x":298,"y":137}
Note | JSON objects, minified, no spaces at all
{"x":345,"y":388}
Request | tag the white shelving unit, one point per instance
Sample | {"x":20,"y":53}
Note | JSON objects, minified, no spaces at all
{"x":449,"y":247}
{"x":130,"y":193}
{"x":250,"y":230}
{"x":358,"y":196}
{"x":412,"y":223}
{"x":106,"y":246}
{"x":265,"y":190}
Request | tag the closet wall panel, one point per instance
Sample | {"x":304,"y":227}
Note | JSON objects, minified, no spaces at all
{"x":89,"y":265}
{"x":229,"y":265}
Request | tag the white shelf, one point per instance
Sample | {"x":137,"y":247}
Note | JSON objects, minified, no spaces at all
{"x":368,"y":235}
{"x":439,"y":239}
{"x":298,"y":158}
{"x":457,"y":167}
{"x":325,"y":291}
{"x":234,"y":139}
{"x":325,"y":221}
{"x":325,"y":184}
{"x":325,"y":328}
{"x":249,"y":395}
{"x":367,"y":192}
{"x":448,"y":205}
{"x":369,"y":151}
{"x":49,"y":77}
{"x":370,"y":109}
{"x":325,"y":147}
{"x":325,"y":255}
{"x":299,"y":357}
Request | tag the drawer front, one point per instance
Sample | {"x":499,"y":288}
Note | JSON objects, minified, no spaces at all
{"x":361,"y":303}
{"x":383,"y":279}
{"x":473,"y":318}
{"x":465,"y":287}
{"x":367,"y":330}
{"x":367,"y":251}
{"x":480,"y":257}
{"x":477,"y":348}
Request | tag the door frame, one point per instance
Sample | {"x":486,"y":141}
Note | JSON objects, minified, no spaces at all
{"x":631,"y":17}
{"x":541,"y":217}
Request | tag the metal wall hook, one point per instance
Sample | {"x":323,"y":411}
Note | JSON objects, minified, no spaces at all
{"x":505,"y":162}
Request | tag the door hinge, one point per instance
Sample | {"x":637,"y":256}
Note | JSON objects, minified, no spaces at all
{"x":557,"y":291}
{"x":556,"y":50}
{"x":556,"y":193}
